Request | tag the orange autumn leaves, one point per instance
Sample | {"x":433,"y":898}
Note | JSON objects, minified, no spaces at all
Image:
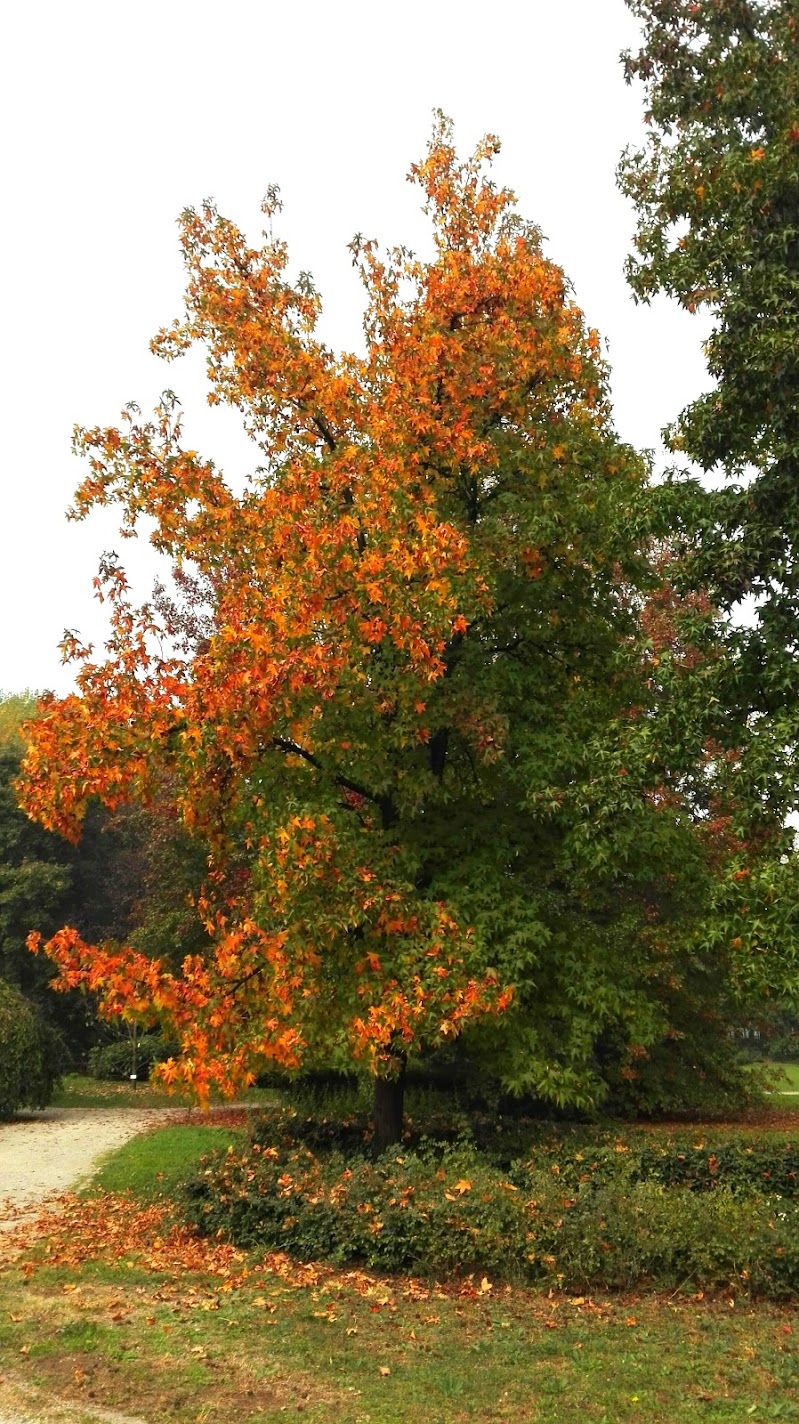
{"x":341,"y":590}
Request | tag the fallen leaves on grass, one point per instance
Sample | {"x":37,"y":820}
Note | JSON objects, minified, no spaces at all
{"x":193,"y":1273}
{"x":114,"y":1228}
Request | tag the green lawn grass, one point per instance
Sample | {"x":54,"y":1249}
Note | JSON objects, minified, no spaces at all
{"x":182,"y":1349}
{"x":78,"y":1091}
{"x":151,"y":1166}
{"x":788,"y":1076}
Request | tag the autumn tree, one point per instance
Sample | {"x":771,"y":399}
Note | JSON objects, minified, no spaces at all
{"x":403,"y":691}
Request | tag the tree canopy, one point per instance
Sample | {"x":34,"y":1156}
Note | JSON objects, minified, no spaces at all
{"x":425,"y":690}
{"x":716,"y":189}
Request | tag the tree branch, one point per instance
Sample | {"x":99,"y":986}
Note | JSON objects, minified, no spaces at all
{"x":325,"y":431}
{"x":284,"y":744}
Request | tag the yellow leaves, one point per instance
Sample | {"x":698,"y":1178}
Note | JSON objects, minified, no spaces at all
{"x":757,"y":154}
{"x":458,"y":1190}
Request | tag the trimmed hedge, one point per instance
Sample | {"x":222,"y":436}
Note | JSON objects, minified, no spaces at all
{"x":669,"y":1215}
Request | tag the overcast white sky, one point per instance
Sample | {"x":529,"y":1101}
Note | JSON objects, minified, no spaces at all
{"x":117,"y":116}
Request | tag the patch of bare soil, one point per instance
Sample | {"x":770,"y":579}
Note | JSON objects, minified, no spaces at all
{"x":22,"y":1403}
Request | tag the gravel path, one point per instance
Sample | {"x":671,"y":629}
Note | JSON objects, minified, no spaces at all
{"x":43,"y":1153}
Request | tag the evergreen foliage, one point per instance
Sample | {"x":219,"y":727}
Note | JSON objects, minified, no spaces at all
{"x":31,"y":1054}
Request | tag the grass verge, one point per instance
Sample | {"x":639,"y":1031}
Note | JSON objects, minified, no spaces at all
{"x":151,"y":1166}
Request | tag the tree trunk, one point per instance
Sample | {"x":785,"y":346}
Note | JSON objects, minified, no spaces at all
{"x":388,"y":1105}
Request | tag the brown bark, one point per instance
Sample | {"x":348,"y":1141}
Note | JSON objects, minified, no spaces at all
{"x":389,"y":1100}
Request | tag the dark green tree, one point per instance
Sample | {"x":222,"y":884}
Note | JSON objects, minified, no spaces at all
{"x":133,"y":876}
{"x":716,"y":189}
{"x":36,"y":866}
{"x":30,"y":1053}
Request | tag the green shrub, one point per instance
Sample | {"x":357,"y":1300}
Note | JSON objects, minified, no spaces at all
{"x":619,"y":1238}
{"x":403,"y":1212}
{"x":758,"y":1163}
{"x":581,"y":1210}
{"x":31,"y":1054}
{"x":115,"y":1060}
{"x":743,"y":1165}
{"x":454,"y":1215}
{"x":746,"y":1165}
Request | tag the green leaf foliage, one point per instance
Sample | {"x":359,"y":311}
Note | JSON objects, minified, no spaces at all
{"x":581,"y":1210}
{"x":31,"y":1054}
{"x":36,"y":866}
{"x":716,"y":191}
{"x":716,"y":188}
{"x":131,"y":876}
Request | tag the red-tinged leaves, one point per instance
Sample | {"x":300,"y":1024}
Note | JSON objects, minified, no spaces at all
{"x":323,"y":683}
